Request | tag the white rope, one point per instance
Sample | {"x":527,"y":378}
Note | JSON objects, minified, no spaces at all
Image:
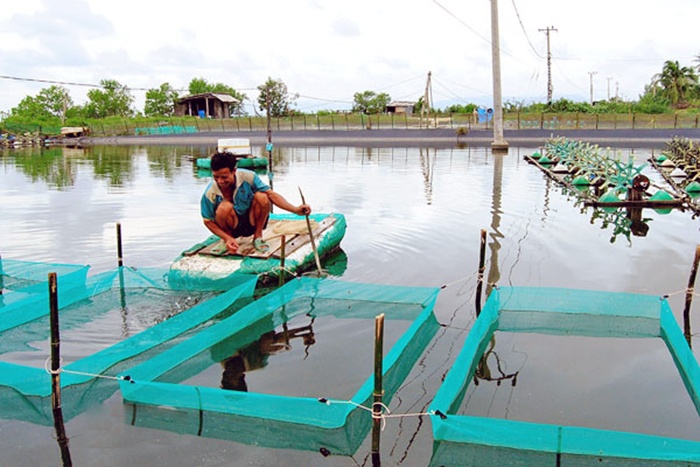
{"x":288,"y":271}
{"x":690,"y":290}
{"x":382,"y":414}
{"x":463,"y":279}
{"x":81,"y":373}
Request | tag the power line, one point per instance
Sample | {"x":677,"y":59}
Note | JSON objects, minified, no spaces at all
{"x":339,"y":101}
{"x":522,"y":26}
{"x":480,"y":91}
{"x":461,"y":22}
{"x":67,"y":83}
{"x":454,"y":94}
{"x":488,"y":41}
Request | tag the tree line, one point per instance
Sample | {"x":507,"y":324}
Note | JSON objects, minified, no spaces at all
{"x":674,"y":87}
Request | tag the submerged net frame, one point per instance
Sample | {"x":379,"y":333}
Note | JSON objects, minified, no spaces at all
{"x":271,"y":420}
{"x":489,"y":441}
{"x":24,"y":287}
{"x":25,"y":390}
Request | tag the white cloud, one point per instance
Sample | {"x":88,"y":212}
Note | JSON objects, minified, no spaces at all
{"x":330,"y":50}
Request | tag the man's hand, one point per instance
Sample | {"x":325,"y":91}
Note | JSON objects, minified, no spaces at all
{"x":303,"y":209}
{"x":232,"y":245}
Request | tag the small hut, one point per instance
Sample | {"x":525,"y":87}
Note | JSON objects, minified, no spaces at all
{"x":208,"y":104}
{"x":400,"y":107}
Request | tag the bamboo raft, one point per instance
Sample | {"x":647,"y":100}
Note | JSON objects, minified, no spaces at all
{"x":290,"y":249}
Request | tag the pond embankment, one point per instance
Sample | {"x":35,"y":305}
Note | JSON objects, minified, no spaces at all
{"x":406,"y":138}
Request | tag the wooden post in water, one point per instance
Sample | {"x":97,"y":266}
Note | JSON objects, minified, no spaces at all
{"x":283,"y":248}
{"x":269,"y":129}
{"x":55,"y":373}
{"x":482,"y":268}
{"x":378,"y":391}
{"x":120,"y":263}
{"x":689,"y":295}
{"x":120,"y":260}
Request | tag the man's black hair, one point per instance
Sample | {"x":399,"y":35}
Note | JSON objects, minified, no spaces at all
{"x":223,"y":160}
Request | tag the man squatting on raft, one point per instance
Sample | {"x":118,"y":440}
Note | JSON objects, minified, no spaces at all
{"x":236,"y":203}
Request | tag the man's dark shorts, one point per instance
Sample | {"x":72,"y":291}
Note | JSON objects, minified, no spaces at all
{"x":244,"y":227}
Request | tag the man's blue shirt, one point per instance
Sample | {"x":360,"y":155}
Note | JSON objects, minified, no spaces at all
{"x":247,"y":184}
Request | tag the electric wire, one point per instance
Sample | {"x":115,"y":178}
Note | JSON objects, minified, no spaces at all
{"x":522,"y":26}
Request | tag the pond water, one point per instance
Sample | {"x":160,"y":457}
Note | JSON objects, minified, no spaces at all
{"x":414,"y":218}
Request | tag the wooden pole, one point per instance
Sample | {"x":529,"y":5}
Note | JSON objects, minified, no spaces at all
{"x":269,"y":129}
{"x":311,"y":237}
{"x":689,"y":295}
{"x":283,"y":248}
{"x":378,"y":391}
{"x":55,"y":373}
{"x":120,"y":261}
{"x":482,"y":268}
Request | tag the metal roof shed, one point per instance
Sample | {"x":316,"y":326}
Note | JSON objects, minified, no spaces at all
{"x":208,"y":104}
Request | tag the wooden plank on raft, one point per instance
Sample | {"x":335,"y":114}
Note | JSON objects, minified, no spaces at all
{"x":296,"y":237}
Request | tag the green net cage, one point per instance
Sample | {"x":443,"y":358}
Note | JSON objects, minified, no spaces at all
{"x":27,"y":281}
{"x":559,"y":312}
{"x":89,"y":374}
{"x":250,"y":400}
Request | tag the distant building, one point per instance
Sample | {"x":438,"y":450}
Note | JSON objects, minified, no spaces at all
{"x":400,"y":107}
{"x":206,"y":105}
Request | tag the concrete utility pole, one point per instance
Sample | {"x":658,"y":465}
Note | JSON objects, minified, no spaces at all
{"x":550,"y":88}
{"x":427,"y":98}
{"x":609,"y":78}
{"x":590,"y":76}
{"x":499,"y":144}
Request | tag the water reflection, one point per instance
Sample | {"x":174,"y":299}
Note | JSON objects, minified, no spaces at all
{"x":427,"y":164}
{"x":627,"y":222}
{"x":494,"y":274}
{"x":255,"y":356}
{"x":58,"y":166}
{"x":395,"y":202}
{"x":484,"y":372}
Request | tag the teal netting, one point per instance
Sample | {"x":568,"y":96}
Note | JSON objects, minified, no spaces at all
{"x":272,"y":419}
{"x":20,"y":280}
{"x":487,"y":441}
{"x":25,"y":390}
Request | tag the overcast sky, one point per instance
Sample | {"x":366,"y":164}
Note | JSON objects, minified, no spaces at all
{"x":327,"y":50}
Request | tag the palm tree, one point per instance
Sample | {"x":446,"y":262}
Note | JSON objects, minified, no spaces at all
{"x":677,"y":82}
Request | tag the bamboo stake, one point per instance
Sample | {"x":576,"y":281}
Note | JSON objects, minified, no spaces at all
{"x":283,"y":248}
{"x":55,"y":373}
{"x":378,"y":391}
{"x":311,"y":237}
{"x":689,"y":295}
{"x":482,"y":268}
{"x":120,"y":261}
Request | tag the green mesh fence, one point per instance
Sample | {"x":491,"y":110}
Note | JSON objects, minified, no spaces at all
{"x":310,"y":422}
{"x":25,"y":390}
{"x":487,"y":441}
{"x":21,"y":279}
